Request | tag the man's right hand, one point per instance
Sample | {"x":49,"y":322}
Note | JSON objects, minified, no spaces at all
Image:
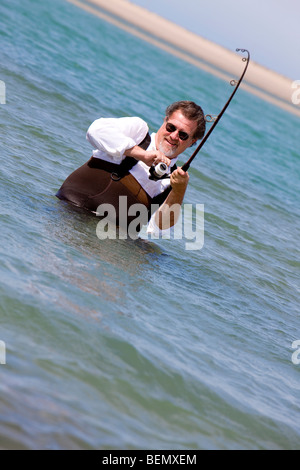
{"x":155,"y":157}
{"x":149,"y":157}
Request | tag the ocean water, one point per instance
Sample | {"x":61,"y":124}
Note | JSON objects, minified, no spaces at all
{"x":123,"y":344}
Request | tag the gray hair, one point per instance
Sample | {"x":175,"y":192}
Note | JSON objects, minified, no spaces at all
{"x":191,"y":111}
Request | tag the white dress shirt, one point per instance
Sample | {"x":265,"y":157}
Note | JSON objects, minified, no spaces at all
{"x":111,"y":137}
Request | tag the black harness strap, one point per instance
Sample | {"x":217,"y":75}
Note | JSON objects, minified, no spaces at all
{"x":129,"y":162}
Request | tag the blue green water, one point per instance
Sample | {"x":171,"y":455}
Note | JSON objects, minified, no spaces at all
{"x":123,"y":344}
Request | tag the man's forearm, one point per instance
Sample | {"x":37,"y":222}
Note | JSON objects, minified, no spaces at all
{"x":136,"y":152}
{"x":149,"y":157}
{"x":168,"y":214}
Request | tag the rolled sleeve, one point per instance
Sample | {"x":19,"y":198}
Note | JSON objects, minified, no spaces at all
{"x":114,"y":136}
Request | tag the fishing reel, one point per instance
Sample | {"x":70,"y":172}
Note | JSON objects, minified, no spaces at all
{"x":158,"y":172}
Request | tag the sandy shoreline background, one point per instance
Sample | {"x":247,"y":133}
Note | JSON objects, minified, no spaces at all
{"x":263,"y":82}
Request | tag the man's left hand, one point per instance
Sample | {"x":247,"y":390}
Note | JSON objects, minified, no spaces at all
{"x":179,"y":180}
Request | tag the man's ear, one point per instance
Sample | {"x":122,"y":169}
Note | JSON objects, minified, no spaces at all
{"x":193,"y":143}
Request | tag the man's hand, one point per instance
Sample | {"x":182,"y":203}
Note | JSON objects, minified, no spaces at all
{"x":155,"y":157}
{"x":150,"y":157}
{"x":179,"y":181}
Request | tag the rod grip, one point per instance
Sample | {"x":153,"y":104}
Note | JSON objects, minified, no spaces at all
{"x":185,"y":167}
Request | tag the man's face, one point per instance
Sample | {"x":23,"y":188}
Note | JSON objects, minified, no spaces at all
{"x":170,"y":137}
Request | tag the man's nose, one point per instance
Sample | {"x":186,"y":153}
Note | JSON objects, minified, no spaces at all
{"x":175,"y":135}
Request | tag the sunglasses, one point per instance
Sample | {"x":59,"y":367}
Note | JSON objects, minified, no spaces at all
{"x":171,"y":128}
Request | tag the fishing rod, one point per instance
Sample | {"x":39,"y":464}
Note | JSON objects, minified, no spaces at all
{"x":234,"y":83}
{"x":159,"y":171}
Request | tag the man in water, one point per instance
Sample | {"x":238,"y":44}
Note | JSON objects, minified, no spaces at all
{"x":123,"y":155}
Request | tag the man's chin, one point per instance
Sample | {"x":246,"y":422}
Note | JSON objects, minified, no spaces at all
{"x":167,"y":151}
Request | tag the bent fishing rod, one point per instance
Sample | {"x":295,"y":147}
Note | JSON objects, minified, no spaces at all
{"x":159,"y":171}
{"x":234,"y":83}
